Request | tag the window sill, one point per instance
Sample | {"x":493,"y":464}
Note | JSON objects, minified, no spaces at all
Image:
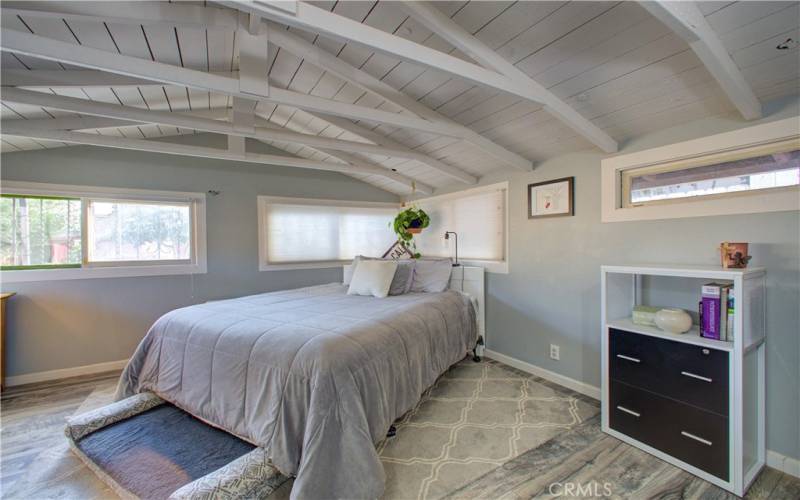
{"x":293,"y":266}
{"x":30,"y":275}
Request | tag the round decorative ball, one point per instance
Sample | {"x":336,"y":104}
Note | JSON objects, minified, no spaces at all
{"x":673,"y":320}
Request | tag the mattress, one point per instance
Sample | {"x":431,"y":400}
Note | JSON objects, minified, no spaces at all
{"x":313,"y":376}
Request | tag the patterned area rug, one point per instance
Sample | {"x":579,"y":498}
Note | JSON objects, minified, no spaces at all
{"x":476,"y":418}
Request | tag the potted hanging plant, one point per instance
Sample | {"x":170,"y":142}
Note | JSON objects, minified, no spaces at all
{"x":409,"y":222}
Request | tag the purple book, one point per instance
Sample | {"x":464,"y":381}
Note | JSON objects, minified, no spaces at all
{"x":710,"y":327}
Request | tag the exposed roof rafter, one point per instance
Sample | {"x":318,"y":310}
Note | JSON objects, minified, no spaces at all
{"x":687,"y":21}
{"x":317,"y":20}
{"x":31,"y":129}
{"x":46,"y":48}
{"x":174,"y":119}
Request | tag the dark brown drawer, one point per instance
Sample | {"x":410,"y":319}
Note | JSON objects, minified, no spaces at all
{"x":695,"y":436}
{"x":692,"y":374}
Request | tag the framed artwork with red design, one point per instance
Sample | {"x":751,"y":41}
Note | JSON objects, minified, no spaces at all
{"x":551,"y":198}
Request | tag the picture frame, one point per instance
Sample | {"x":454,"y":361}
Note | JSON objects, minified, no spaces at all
{"x":554,"y":198}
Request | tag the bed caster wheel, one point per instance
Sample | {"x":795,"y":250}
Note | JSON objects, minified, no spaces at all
{"x":392,"y":432}
{"x":476,"y":358}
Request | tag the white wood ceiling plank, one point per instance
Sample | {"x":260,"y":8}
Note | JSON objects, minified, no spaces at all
{"x":544,"y":32}
{"x":11,"y":61}
{"x":739,"y":14}
{"x":709,"y":7}
{"x":593,"y":32}
{"x":163,"y":43}
{"x":220,"y":58}
{"x":7,"y":147}
{"x":790,"y":87}
{"x":131,"y":42}
{"x":27,"y":111}
{"x":757,"y":31}
{"x":23,"y":143}
{"x":490,"y":106}
{"x":773,"y":70}
{"x":16,"y":23}
{"x":501,"y":117}
{"x":194,"y":54}
{"x":601,"y":53}
{"x":651,"y":55}
{"x":444,"y":93}
{"x":765,"y":50}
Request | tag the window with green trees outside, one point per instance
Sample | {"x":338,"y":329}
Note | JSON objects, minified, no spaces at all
{"x":39,"y":232}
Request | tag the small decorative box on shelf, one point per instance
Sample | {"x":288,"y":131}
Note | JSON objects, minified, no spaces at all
{"x":693,"y":401}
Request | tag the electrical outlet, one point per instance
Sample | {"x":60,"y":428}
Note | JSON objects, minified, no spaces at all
{"x":555,"y":352}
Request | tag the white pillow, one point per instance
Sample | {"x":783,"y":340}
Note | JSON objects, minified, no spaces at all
{"x":347,"y":272}
{"x":372,"y":277}
{"x":431,"y":275}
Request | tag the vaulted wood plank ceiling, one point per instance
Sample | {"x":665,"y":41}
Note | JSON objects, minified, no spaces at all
{"x":612,"y":62}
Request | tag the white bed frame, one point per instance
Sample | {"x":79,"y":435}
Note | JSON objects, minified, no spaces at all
{"x":470,"y":280}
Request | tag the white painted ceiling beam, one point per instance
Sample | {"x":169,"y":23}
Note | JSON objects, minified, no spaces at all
{"x":45,"y":48}
{"x":18,"y":128}
{"x":688,"y":22}
{"x":81,"y":78}
{"x":436,"y":21}
{"x":179,"y":120}
{"x":182,"y":15}
{"x":317,"y":20}
{"x":360,"y":78}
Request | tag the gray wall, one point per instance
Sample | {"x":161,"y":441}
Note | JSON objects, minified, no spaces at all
{"x":552,"y":292}
{"x":69,"y":323}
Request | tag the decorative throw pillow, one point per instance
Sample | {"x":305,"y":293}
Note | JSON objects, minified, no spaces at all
{"x":431,"y":275}
{"x":402,"y":277}
{"x":372,"y":277}
{"x":347,"y":272}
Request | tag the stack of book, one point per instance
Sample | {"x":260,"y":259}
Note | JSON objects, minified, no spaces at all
{"x":716,"y":311}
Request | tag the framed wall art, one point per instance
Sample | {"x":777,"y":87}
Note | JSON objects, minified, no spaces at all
{"x":551,"y":198}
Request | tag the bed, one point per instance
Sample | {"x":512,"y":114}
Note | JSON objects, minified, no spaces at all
{"x":314,"y":376}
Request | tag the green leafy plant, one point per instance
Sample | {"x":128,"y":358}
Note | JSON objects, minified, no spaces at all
{"x":410,"y":218}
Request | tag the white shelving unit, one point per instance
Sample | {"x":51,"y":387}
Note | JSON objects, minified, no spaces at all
{"x":621,"y":290}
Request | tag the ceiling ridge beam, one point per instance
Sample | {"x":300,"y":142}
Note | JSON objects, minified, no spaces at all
{"x":436,"y":21}
{"x":318,"y":57}
{"x":84,"y":78}
{"x":46,"y":48}
{"x":321,"y":21}
{"x":687,"y":21}
{"x":19,"y":129}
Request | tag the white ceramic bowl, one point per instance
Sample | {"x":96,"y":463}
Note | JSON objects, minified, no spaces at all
{"x":673,"y":320}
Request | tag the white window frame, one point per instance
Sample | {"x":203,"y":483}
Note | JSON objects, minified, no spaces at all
{"x":196,"y":265}
{"x":263,"y":233}
{"x":744,"y":202}
{"x":491,"y":266}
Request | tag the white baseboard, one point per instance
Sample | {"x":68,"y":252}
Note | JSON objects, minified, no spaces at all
{"x":783,"y":463}
{"x":32,"y":378}
{"x":775,"y":460}
{"x":570,"y":383}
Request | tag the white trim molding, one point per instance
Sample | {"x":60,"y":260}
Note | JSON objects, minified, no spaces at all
{"x":62,"y":373}
{"x":783,"y":463}
{"x":758,"y":201}
{"x":568,"y":382}
{"x":198,"y":264}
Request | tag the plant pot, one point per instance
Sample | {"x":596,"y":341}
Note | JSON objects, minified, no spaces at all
{"x":414,"y":230}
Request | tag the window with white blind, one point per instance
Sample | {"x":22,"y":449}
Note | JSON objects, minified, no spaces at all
{"x":297,"y":233}
{"x":479,"y":216}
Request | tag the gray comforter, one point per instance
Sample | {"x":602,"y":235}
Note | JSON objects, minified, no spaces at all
{"x":313,"y":375}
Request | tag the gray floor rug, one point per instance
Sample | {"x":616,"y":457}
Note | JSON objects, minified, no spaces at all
{"x":476,"y":418}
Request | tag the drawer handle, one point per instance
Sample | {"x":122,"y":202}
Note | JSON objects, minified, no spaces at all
{"x":698,"y":377}
{"x":696,"y":438}
{"x":628,"y":358}
{"x":629,"y":412}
